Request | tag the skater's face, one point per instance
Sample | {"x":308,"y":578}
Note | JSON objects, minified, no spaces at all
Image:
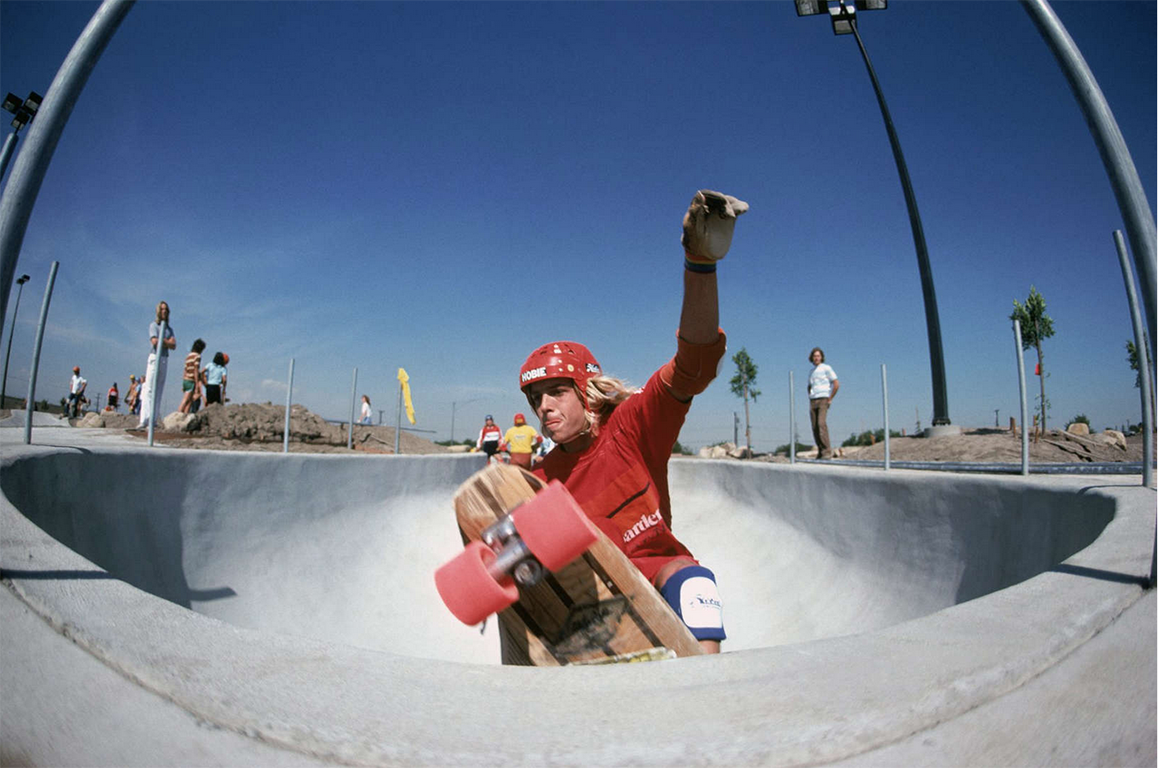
{"x":558,"y":406}
{"x":817,"y":358}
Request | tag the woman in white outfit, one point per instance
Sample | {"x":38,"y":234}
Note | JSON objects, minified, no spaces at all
{"x":156,"y":366}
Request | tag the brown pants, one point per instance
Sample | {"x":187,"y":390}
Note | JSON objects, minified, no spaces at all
{"x":818,"y":415}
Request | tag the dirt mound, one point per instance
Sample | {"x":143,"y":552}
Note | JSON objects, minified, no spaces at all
{"x":1003,"y":446}
{"x":261,"y":427}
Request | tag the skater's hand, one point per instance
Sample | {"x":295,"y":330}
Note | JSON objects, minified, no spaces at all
{"x":708,"y":226}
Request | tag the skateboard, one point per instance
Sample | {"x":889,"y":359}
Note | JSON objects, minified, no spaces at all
{"x":564,"y":593}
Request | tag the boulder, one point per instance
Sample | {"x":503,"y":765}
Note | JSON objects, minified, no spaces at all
{"x":1078,"y":428}
{"x":720,"y":451}
{"x":91,"y":420}
{"x":1114,"y":438}
{"x":177,"y":422}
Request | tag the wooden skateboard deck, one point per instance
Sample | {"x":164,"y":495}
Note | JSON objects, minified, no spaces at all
{"x":599,"y":608}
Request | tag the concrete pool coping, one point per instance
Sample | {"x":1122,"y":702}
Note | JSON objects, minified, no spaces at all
{"x":1049,"y":655}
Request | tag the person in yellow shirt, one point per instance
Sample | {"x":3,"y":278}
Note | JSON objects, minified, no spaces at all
{"x":520,"y":441}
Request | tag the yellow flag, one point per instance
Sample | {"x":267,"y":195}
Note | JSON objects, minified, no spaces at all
{"x":404,"y":380}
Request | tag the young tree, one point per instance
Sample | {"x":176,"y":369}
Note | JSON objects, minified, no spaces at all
{"x":743,"y":385}
{"x":1036,"y":326}
{"x":1133,"y":360}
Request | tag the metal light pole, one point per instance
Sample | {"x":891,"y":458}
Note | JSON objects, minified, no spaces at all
{"x":28,"y":172}
{"x":23,"y":110}
{"x":453,"y":406}
{"x":4,"y":387}
{"x":843,"y":16}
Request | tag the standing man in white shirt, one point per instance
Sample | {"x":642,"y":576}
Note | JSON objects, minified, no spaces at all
{"x":822,"y":387}
{"x":75,"y":394}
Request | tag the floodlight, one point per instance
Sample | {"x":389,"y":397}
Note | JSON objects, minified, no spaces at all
{"x":12,"y":103}
{"x":811,"y":7}
{"x":843,"y":18}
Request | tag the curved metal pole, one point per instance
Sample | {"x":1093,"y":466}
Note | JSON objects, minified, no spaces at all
{"x":30,"y":404}
{"x":8,"y":354}
{"x":43,"y":134}
{"x":932,"y":318}
{"x":1143,"y":363}
{"x":6,"y":154}
{"x":1136,"y":213}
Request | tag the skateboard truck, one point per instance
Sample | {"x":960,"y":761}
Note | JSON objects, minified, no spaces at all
{"x":512,"y":555}
{"x":543,"y":534}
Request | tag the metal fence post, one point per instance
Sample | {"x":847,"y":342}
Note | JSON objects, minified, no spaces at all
{"x":791,"y":419}
{"x":885,"y":407}
{"x":398,"y":423}
{"x":1021,"y":391}
{"x":289,"y":393}
{"x":353,"y":402}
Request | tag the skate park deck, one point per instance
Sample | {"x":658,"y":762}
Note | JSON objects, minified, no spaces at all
{"x":220,"y":608}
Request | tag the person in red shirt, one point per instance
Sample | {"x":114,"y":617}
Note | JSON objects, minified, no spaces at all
{"x":613,"y":443}
{"x":489,"y":438}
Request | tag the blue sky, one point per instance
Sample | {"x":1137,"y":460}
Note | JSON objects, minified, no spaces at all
{"x":444,"y":186}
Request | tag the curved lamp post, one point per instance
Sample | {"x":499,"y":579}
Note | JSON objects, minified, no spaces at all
{"x":843,"y":16}
{"x":23,"y":110}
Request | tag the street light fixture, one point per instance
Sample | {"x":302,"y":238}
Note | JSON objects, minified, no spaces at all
{"x":23,"y":110}
{"x":20,"y":281}
{"x":842,"y":13}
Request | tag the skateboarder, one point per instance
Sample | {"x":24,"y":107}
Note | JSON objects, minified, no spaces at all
{"x":613,"y":442}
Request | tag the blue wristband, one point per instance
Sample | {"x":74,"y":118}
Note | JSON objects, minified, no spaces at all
{"x":703,"y":269}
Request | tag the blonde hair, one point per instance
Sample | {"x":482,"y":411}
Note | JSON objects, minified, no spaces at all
{"x":604,"y":394}
{"x":159,"y":303}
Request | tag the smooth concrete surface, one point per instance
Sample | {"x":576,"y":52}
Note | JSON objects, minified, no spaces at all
{"x":18,"y":419}
{"x":875,"y":618}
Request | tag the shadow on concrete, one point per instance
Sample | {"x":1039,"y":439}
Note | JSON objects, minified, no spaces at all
{"x":1098,"y":573}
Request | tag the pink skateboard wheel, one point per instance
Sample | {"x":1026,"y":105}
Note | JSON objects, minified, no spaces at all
{"x":468,"y":590}
{"x":554,"y":526}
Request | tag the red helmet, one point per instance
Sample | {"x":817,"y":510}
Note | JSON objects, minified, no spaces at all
{"x":560,"y":360}
{"x":520,"y":418}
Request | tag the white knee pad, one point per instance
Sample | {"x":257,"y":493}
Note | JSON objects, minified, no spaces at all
{"x":693,"y":594}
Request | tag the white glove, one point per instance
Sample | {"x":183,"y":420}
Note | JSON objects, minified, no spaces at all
{"x":708,"y":226}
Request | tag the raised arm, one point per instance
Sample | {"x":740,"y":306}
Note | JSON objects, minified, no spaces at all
{"x":708,"y":226}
